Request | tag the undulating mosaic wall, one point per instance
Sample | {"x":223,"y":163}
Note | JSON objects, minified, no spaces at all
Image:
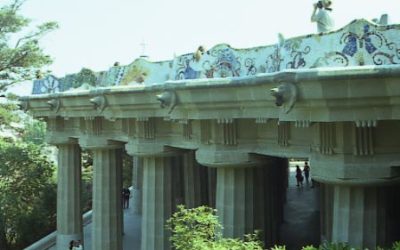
{"x":357,"y":44}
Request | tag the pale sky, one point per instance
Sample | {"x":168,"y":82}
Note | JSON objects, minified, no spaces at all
{"x":97,"y":33}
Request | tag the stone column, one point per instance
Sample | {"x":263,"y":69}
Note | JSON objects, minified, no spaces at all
{"x":69,"y":208}
{"x":157,"y":202}
{"x":192,"y":180}
{"x":359,"y":215}
{"x":235,"y":200}
{"x":326,"y":206}
{"x":272,"y":199}
{"x":137,"y":183}
{"x":107,"y":198}
{"x":211,"y":186}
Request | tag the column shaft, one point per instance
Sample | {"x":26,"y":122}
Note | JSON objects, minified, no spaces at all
{"x":157,"y":197}
{"x":69,"y":209}
{"x":107,"y":199}
{"x":192,"y":180}
{"x":235,"y":200}
{"x":137,"y":183}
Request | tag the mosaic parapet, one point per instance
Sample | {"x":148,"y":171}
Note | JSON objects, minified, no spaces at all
{"x":357,"y":44}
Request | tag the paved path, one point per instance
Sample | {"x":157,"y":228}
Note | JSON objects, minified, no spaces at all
{"x":301,"y":226}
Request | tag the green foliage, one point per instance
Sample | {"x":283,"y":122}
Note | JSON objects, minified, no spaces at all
{"x":27,"y":194}
{"x":20,"y":54}
{"x":396,"y":245}
{"x":34,"y":131}
{"x":337,"y":246}
{"x":8,"y":108}
{"x":311,"y":247}
{"x":276,"y":247}
{"x":198,"y":229}
{"x":334,"y":246}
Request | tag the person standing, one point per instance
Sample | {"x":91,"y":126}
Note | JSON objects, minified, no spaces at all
{"x":322,"y":16}
{"x":126,"y":195}
{"x":306,"y":170}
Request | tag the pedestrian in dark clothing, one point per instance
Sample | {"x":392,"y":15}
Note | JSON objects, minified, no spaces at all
{"x":125,"y":196}
{"x":306,"y":170}
{"x":299,"y":176}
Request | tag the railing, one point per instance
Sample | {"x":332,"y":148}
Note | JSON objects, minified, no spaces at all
{"x":50,"y":240}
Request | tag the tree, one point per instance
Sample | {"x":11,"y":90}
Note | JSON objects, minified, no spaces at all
{"x":27,"y":194}
{"x":199,"y":229}
{"x":20,"y":54}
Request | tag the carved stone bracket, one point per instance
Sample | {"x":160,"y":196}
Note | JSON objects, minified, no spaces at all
{"x":55,"y":124}
{"x":327,"y":138}
{"x":168,"y":99}
{"x":285,"y":95}
{"x":146,"y":127}
{"x":142,"y":119}
{"x":261,"y":120}
{"x":99,"y":102}
{"x":187,"y":129}
{"x":224,"y":120}
{"x":93,"y":125}
{"x":366,"y":123}
{"x":364,"y":140}
{"x":229,"y":129}
{"x":302,"y":124}
{"x":54,"y":104}
{"x":283,"y":133}
{"x":205,"y":128}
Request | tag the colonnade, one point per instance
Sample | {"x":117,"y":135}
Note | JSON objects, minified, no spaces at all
{"x":247,"y":197}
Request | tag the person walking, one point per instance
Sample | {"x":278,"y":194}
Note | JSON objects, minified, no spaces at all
{"x":299,"y":176}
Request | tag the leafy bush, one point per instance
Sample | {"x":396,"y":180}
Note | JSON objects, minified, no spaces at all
{"x":198,"y":229}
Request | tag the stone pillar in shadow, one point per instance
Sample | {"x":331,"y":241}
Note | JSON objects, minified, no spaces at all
{"x":326,"y":206}
{"x":192,"y":180}
{"x":235,"y":200}
{"x":211,"y":186}
{"x":137,"y":183}
{"x":157,"y":201}
{"x":107,"y":198}
{"x":177,"y":179}
{"x":272,"y":202}
{"x":362,"y":216}
{"x":69,"y":208}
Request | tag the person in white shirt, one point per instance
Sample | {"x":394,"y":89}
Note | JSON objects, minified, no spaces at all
{"x":322,"y":16}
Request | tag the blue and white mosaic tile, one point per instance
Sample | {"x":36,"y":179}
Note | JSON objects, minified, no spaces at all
{"x":357,"y":44}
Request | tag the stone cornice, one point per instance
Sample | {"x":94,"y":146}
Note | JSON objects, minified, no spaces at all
{"x":345,"y":91}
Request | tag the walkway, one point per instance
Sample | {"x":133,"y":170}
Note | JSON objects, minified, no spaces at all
{"x":131,"y":239}
{"x":301,"y":226}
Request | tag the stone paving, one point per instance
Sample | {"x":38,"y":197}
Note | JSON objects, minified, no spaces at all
{"x":131,"y":238}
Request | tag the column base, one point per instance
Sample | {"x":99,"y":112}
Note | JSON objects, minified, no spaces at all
{"x":63,"y":240}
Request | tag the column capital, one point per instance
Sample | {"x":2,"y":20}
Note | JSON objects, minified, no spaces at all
{"x":60,"y":140}
{"x":216,"y":157}
{"x":98,"y":142}
{"x":149,"y":149}
{"x":351,"y":170}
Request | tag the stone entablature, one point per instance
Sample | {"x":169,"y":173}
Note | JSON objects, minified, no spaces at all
{"x":339,"y":119}
{"x":357,"y":44}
